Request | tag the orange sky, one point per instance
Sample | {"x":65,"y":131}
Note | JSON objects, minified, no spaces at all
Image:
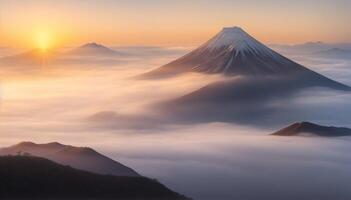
{"x":29,"y":23}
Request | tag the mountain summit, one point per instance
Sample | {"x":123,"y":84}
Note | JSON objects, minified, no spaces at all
{"x":236,"y":38}
{"x":231,"y":52}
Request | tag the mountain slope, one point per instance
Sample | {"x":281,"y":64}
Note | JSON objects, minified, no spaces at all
{"x":32,"y":57}
{"x":78,"y":157}
{"x":34,"y":177}
{"x":234,"y":52}
{"x":312,"y":129}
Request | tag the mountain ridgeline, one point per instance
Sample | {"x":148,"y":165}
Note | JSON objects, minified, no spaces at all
{"x":83,"y":158}
{"x":28,"y":177}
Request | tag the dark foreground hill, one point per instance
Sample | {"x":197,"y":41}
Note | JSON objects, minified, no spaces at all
{"x":33,"y":177}
{"x":308,"y":128}
{"x":83,"y":158}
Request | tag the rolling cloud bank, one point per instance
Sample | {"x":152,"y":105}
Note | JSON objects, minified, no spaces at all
{"x":203,"y":151}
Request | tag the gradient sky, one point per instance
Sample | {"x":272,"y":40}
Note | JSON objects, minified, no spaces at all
{"x":176,"y":22}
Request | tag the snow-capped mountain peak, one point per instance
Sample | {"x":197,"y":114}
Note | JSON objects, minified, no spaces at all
{"x":235,"y":38}
{"x":233,"y":52}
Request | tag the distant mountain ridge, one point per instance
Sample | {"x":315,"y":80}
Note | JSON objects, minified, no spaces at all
{"x":83,"y":54}
{"x":302,"y":128}
{"x":93,"y":49}
{"x":309,"y":47}
{"x":83,"y":158}
{"x":334,"y":53}
{"x":28,"y":177}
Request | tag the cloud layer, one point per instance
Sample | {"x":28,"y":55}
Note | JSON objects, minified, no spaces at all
{"x":106,"y":108}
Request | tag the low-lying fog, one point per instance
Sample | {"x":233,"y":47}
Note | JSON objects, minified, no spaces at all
{"x":211,"y":161}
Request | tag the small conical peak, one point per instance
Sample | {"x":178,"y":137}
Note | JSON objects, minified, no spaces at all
{"x":92,"y":45}
{"x":314,"y":43}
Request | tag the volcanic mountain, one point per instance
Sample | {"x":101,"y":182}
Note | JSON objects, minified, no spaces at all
{"x":234,"y":52}
{"x":259,"y":84}
{"x":83,"y":158}
{"x":307,"y":128}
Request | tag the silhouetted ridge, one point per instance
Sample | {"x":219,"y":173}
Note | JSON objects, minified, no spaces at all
{"x":34,"y":177}
{"x":83,"y":158}
{"x":314,"y":129}
{"x":32,"y":144}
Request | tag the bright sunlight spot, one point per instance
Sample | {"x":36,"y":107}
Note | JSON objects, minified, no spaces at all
{"x":43,"y":40}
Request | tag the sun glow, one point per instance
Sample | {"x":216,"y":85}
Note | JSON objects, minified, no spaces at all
{"x":43,"y":40}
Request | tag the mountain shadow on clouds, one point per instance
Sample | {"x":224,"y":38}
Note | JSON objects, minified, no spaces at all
{"x":252,"y":101}
{"x":261,"y":101}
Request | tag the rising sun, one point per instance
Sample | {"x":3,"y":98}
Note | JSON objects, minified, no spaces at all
{"x":43,"y":40}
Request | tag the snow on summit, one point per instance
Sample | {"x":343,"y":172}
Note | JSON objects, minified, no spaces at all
{"x":230,"y":36}
{"x":235,"y":38}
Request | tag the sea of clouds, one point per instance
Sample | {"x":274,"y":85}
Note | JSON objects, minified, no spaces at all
{"x":105,"y":107}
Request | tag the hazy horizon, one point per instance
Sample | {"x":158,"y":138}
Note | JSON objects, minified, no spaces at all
{"x":67,"y":23}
